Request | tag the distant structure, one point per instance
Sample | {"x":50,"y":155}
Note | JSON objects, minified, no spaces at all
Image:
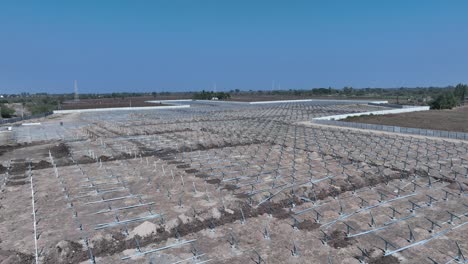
{"x":275,"y":86}
{"x":214,"y":98}
{"x":75,"y":84}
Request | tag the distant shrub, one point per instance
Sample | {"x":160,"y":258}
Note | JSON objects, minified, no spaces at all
{"x":204,"y":95}
{"x":41,"y":108}
{"x":461,"y":91}
{"x":6,"y":112}
{"x":445,"y":101}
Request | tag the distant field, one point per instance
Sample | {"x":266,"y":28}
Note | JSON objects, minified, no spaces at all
{"x":110,"y":102}
{"x":259,"y":97}
{"x":448,"y":120}
{"x":141,"y":101}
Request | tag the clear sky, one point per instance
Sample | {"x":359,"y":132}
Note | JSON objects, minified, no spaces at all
{"x":177,"y":45}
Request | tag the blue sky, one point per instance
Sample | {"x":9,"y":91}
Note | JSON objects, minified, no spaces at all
{"x":177,"y":45}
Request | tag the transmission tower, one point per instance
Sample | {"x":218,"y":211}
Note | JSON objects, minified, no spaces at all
{"x":76,"y":91}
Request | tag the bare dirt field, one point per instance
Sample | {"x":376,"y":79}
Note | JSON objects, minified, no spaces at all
{"x":229,"y":183}
{"x":141,"y":101}
{"x":266,"y":97}
{"x":448,"y":120}
{"x":111,"y":102}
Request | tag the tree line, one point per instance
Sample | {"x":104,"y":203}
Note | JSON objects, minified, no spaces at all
{"x":207,"y":95}
{"x":450,"y":98}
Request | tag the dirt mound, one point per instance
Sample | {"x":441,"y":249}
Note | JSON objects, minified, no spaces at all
{"x":308,"y":225}
{"x":8,"y":148}
{"x":144,"y":229}
{"x":123,"y":155}
{"x":242,"y":195}
{"x":384,"y":260}
{"x":175,"y":162}
{"x":66,"y":252}
{"x":59,"y":151}
{"x":202,"y":175}
{"x":85,"y":160}
{"x":3,"y":169}
{"x":118,"y":242}
{"x":115,"y":244}
{"x":15,"y":183}
{"x":105,"y":158}
{"x":18,"y":168}
{"x":213,"y":181}
{"x":230,"y":187}
{"x":14,"y":257}
{"x":41,"y":165}
{"x":167,"y":157}
{"x":338,"y":239}
{"x":23,"y":167}
{"x":4,"y":149}
{"x":18,"y":177}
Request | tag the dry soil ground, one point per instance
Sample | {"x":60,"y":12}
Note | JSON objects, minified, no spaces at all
{"x":109,"y":103}
{"x":229,"y":183}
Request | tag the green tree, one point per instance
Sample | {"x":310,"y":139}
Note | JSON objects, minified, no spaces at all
{"x":6,"y":112}
{"x":461,"y":91}
{"x":347,"y":90}
{"x":204,"y":95}
{"x":444,"y":101}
